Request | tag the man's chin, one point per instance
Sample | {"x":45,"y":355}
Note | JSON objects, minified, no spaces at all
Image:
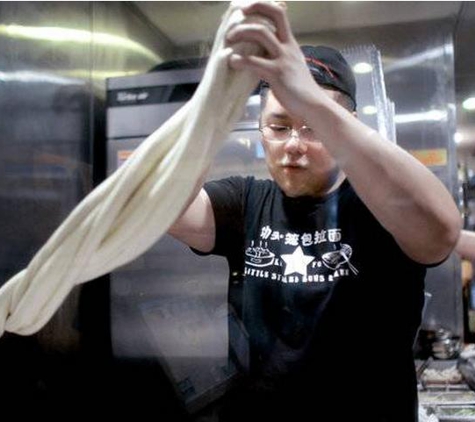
{"x":294,"y":191}
{"x":298,"y":183}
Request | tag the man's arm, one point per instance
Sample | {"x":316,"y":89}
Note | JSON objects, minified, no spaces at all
{"x":196,"y":226}
{"x":466,"y":245}
{"x":405,"y":197}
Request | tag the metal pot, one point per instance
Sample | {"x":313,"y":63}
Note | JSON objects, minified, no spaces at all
{"x":446,"y":348}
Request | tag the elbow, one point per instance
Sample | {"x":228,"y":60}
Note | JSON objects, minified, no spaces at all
{"x":440,"y":239}
{"x":447,"y":238}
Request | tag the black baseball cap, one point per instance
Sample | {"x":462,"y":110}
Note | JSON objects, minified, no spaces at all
{"x":329,"y":68}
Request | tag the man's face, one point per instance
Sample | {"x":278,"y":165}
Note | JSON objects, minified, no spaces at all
{"x":299,"y":168}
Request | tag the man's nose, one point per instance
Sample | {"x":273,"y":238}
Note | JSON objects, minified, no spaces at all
{"x":295,"y":145}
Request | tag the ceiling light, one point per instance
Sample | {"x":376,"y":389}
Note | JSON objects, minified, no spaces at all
{"x":469,"y":104}
{"x":458,"y":137}
{"x":369,"y":110}
{"x":362,"y":67}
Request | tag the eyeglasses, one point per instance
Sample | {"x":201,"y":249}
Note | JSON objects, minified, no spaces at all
{"x":280,"y":133}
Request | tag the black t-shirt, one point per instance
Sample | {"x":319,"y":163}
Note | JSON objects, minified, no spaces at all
{"x":324,"y":304}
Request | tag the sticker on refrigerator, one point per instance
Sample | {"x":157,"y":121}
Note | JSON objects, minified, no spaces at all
{"x":123,"y":155}
{"x":431,"y":157}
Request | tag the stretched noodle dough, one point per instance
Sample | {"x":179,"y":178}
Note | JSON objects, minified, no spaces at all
{"x":128,"y":212}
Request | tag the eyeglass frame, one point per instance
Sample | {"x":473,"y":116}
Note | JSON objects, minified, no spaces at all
{"x":291,"y":133}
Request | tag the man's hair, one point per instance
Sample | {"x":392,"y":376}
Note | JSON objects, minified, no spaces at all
{"x":264,"y":90}
{"x":343,"y":99}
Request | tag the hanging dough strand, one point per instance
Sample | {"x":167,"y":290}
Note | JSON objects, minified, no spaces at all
{"x":134,"y":207}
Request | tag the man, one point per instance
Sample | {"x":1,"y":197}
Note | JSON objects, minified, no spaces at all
{"x":327,"y":261}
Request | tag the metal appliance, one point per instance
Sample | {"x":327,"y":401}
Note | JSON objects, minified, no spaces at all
{"x":169,"y":304}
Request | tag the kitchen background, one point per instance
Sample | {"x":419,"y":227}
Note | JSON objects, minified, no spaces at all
{"x":56,"y":59}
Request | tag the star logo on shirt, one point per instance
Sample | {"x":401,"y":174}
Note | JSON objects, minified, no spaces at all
{"x":297,"y":262}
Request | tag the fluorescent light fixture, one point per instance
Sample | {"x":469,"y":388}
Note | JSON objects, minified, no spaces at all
{"x":62,"y":77}
{"x":98,"y":74}
{"x":25,"y":76}
{"x":362,"y":67}
{"x":469,"y":104}
{"x":369,"y":110}
{"x":56,"y":34}
{"x":429,"y":116}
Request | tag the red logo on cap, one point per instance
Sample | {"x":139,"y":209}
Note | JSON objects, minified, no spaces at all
{"x":319,"y":63}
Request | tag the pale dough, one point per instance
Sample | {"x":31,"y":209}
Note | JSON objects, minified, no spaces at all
{"x":134,"y":207}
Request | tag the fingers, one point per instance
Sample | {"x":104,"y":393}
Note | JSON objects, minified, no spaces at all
{"x":262,"y":67}
{"x":266,"y":25}
{"x":276,"y":13}
{"x":256,"y":33}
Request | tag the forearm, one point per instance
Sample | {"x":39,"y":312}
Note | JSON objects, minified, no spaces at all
{"x":407,"y":199}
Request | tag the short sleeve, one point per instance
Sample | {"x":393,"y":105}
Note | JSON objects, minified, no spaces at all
{"x":228,"y":201}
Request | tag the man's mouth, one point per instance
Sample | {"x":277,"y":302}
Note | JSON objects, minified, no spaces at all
{"x":292,"y":169}
{"x":298,"y":163}
{"x":295,"y":166}
{"x":301,"y":163}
